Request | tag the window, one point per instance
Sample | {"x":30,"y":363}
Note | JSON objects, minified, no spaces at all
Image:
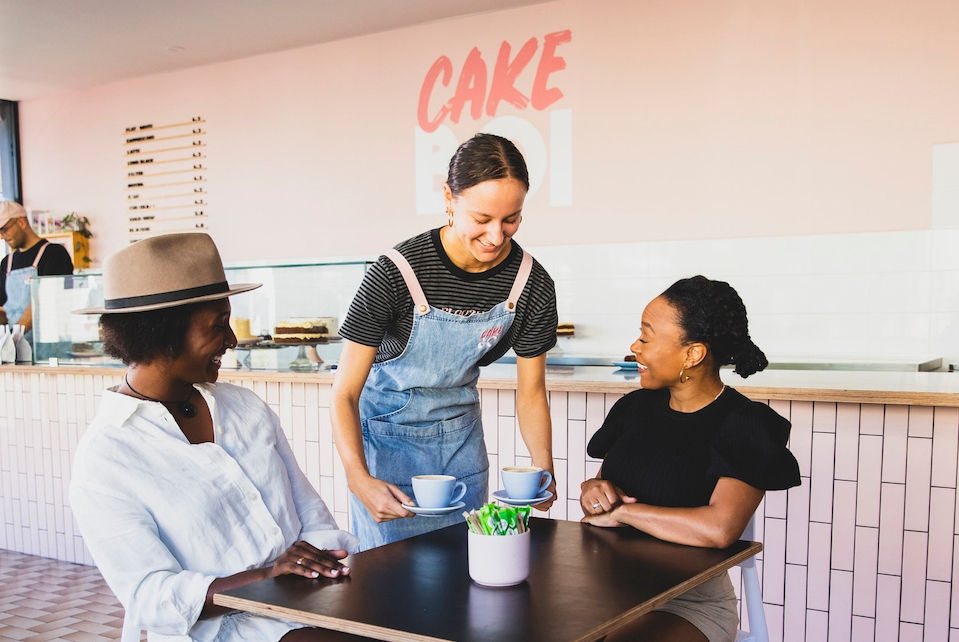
{"x":10,"y":187}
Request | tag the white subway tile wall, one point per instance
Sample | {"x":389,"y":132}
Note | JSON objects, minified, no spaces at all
{"x":888,"y":296}
{"x":945,"y":185}
{"x":866,"y":547}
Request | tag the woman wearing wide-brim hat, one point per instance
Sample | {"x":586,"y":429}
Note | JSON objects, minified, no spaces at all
{"x":182,"y":486}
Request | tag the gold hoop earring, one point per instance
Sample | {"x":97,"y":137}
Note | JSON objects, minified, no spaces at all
{"x":683,"y":377}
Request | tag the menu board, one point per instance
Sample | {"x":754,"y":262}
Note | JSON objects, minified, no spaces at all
{"x":165,"y":178}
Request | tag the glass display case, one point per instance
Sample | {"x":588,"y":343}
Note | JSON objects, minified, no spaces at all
{"x":312,"y":297}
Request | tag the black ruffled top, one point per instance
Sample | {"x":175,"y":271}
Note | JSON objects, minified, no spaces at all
{"x":668,"y":458}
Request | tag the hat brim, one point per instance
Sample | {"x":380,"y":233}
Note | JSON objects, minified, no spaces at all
{"x":234,"y":289}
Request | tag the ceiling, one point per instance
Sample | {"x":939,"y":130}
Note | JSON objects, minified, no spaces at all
{"x":51,"y":46}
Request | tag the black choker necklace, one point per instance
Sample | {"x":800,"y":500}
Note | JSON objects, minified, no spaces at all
{"x":184,"y":407}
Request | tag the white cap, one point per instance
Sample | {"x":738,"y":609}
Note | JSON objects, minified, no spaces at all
{"x":10,"y":210}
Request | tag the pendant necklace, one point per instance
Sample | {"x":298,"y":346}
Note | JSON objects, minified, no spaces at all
{"x":184,"y":407}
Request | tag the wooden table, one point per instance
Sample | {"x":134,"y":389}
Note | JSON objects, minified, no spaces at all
{"x":584,"y":582}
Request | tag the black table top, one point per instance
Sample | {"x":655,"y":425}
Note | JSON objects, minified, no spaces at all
{"x":584,"y":581}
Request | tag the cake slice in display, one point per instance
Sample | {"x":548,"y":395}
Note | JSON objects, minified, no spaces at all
{"x":566,"y":330}
{"x":305,"y":330}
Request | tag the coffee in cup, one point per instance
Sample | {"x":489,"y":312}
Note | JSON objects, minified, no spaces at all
{"x":437,"y":491}
{"x":525,"y":482}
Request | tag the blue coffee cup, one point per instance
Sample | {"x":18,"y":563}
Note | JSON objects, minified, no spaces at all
{"x":525,"y":482}
{"x":437,"y":491}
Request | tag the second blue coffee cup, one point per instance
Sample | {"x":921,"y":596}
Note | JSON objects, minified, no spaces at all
{"x":525,"y":482}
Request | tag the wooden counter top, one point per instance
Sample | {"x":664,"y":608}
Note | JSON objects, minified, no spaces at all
{"x":901,"y":388}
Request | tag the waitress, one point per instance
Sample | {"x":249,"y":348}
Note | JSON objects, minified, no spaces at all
{"x":427,"y":315}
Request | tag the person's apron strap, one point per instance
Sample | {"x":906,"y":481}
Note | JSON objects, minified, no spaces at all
{"x":522,"y":276}
{"x":420,"y":303}
{"x":43,"y":248}
{"x":36,"y":261}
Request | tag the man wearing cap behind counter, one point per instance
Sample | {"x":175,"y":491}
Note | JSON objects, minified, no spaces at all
{"x":183,"y":486}
{"x":30,"y":256}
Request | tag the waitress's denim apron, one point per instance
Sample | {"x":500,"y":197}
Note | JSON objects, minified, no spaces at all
{"x":18,"y":289}
{"x":420,"y":411}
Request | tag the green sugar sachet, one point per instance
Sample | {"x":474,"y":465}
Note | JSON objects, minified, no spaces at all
{"x":500,"y":520}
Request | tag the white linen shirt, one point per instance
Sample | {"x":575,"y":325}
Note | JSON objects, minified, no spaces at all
{"x":163,"y":517}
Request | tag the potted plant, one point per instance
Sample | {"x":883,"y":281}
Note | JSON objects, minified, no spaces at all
{"x":80,"y":224}
{"x":81,"y":247}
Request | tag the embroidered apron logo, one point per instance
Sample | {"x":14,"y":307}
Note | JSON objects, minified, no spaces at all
{"x":490,"y":337}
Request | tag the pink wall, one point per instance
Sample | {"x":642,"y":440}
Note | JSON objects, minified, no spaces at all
{"x":688,"y":119}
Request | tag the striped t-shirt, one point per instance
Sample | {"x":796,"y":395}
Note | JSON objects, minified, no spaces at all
{"x":381,"y":313}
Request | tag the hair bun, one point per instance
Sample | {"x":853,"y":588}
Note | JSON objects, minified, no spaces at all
{"x":749,"y":359}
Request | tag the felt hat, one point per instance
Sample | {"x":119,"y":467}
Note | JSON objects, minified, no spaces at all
{"x":163,"y":272}
{"x":10,"y":210}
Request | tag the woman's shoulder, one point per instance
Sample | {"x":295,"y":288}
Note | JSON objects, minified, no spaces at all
{"x":748,"y":415}
{"x":106,"y":449}
{"x":233,"y":396}
{"x":419,"y":251}
{"x":424,"y":242}
{"x":539,"y":273}
{"x":412,"y":249}
{"x":751,"y":445}
{"x":540,"y":276}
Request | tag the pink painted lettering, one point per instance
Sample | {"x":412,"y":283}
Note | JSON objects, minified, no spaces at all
{"x":472,"y":87}
{"x":549,"y":62}
{"x":442,"y":67}
{"x":503,"y":86}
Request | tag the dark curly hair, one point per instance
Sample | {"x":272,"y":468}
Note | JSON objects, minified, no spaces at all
{"x":142,"y":337}
{"x":712,"y":313}
{"x":485,"y":157}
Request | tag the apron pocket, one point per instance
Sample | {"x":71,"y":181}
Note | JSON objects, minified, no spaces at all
{"x":397,"y":452}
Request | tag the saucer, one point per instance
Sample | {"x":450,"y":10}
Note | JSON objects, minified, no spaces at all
{"x":501,"y":495}
{"x":435,"y":512}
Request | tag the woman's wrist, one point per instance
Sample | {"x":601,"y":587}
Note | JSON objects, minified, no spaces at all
{"x":544,"y":461}
{"x":619,"y":513}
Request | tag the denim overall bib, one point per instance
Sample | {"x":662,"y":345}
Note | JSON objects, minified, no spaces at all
{"x":420,"y":411}
{"x":18,"y":289}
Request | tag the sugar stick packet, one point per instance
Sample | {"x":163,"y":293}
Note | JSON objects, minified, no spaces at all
{"x":493,"y":519}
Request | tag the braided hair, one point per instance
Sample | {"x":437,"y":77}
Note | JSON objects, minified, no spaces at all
{"x":711,"y":312}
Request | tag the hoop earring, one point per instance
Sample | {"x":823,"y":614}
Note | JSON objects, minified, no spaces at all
{"x":683,"y":377}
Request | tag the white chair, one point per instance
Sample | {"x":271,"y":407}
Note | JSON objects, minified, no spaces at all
{"x":752,"y":596}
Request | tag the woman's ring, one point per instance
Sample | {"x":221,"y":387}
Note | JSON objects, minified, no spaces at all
{"x":596,"y":505}
{"x":299,"y":562}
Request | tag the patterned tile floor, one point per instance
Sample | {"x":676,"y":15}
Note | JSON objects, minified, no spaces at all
{"x":45,"y":600}
{"x":48,"y":600}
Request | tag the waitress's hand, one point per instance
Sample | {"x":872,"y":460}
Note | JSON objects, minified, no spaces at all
{"x":307,"y":560}
{"x":545,"y":504}
{"x":382,"y":499}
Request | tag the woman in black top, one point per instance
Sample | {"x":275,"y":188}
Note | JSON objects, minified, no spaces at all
{"x":686,"y":458}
